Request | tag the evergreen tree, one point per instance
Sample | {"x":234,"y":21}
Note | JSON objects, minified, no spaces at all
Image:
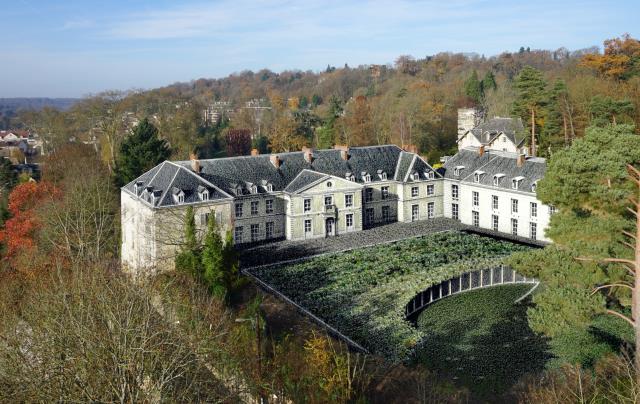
{"x":473,"y":88}
{"x":605,"y":110}
{"x":532,"y":96}
{"x":231,"y":277}
{"x":555,"y":130}
{"x":489,"y":82}
{"x":188,"y":259}
{"x":213,"y":259}
{"x":8,"y":176}
{"x":588,"y":184}
{"x":139,"y":152}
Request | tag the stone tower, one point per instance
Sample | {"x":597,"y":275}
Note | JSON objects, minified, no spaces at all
{"x":468,"y":118}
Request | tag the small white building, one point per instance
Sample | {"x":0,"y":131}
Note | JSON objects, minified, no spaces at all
{"x":502,"y":134}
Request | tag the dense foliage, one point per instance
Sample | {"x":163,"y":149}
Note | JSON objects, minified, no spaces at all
{"x":363,"y":292}
{"x":588,"y":184}
{"x":481,"y":339}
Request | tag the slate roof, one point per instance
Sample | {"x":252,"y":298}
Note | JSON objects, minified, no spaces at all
{"x":511,"y":127}
{"x":229,"y":174}
{"x":496,"y":162}
{"x":304,"y":179}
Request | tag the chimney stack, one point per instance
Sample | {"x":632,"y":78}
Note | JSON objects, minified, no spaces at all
{"x":195,"y":163}
{"x":481,"y":150}
{"x":275,"y":160}
{"x":344,"y":151}
{"x":308,"y":154}
{"x":521,"y":159}
{"x":411,"y":148}
{"x":255,"y":152}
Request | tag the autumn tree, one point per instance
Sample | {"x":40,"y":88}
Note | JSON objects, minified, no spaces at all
{"x":139,"y":152}
{"x":532,"y":96}
{"x":620,"y":61}
{"x":237,"y":142}
{"x":589,"y":270}
{"x":407,"y":64}
{"x":358,"y":122}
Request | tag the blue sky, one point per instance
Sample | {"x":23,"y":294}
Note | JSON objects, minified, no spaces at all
{"x":72,"y":48}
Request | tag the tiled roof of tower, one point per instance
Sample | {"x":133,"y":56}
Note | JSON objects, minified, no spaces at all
{"x":231,"y":173}
{"x":511,"y":127}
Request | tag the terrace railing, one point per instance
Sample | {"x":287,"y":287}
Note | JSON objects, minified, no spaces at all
{"x":472,"y":280}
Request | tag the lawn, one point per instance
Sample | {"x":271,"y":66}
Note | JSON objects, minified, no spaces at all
{"x":481,"y":340}
{"x":363,"y":292}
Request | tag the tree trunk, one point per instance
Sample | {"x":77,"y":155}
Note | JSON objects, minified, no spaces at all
{"x":566,"y":133}
{"x":533,"y":132}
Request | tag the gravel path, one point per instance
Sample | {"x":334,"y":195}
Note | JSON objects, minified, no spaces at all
{"x":284,"y":251}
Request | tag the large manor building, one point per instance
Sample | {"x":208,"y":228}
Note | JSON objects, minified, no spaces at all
{"x":325,"y":193}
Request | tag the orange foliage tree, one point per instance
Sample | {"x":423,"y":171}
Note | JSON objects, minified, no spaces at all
{"x":19,"y":230}
{"x":620,"y":60}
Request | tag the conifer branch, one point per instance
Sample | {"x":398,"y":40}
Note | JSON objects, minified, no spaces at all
{"x":622,"y":316}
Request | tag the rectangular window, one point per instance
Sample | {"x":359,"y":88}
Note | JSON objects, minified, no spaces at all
{"x":204,"y":218}
{"x":238,"y":209}
{"x":269,"y":226}
{"x":268,"y":206}
{"x":415,"y":192}
{"x":494,"y":222}
{"x":454,"y":211}
{"x":431,"y":210}
{"x":349,"y":218}
{"x":385,"y":192}
{"x":369,"y":215}
{"x":348,"y":200}
{"x":255,"y":232}
{"x":494,"y":202}
{"x":386,"y":214}
{"x":237,"y":234}
{"x":454,"y":192}
{"x":368,"y":194}
{"x":430,"y":190}
{"x":552,"y":210}
{"x":533,"y":230}
{"x":307,"y":226}
{"x":534,"y":209}
{"x":514,"y":227}
{"x":307,"y":205}
{"x":415,"y":212}
{"x":475,"y":218}
{"x":254,"y":208}
{"x":328,"y":200}
{"x":514,"y":206}
{"x":475,"y":198}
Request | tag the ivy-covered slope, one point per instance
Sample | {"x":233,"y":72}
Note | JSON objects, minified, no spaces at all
{"x":363,"y":292}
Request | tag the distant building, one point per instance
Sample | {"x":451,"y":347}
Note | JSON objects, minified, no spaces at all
{"x":501,"y":134}
{"x":214,"y":112}
{"x":10,"y":136}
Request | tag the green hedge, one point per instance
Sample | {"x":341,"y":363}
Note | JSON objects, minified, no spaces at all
{"x":363,"y":292}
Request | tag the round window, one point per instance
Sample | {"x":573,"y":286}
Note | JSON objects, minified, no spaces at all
{"x":329,"y":184}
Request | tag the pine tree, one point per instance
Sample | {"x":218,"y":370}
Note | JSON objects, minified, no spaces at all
{"x":188,"y":259}
{"x":606,"y":110}
{"x":473,"y":88}
{"x":532,"y":96}
{"x":588,"y":184}
{"x":139,"y":152}
{"x":213,"y":259}
{"x":556,"y":127}
{"x":231,"y":278}
{"x":489,"y":82}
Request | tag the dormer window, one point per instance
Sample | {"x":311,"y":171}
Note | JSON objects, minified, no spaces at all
{"x":137,"y":187}
{"x":269,"y":187}
{"x":515,"y":183}
{"x":237,"y":189}
{"x":382,"y":174}
{"x":496,"y":179}
{"x":477,"y":176}
{"x":203,"y":193}
{"x":366,"y":177}
{"x":534,"y":186}
{"x":349,"y":176}
{"x":155,"y":195}
{"x":254,"y":189}
{"x":415,"y":176}
{"x":429,"y":175}
{"x":178,"y":195}
{"x":458,"y":170}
